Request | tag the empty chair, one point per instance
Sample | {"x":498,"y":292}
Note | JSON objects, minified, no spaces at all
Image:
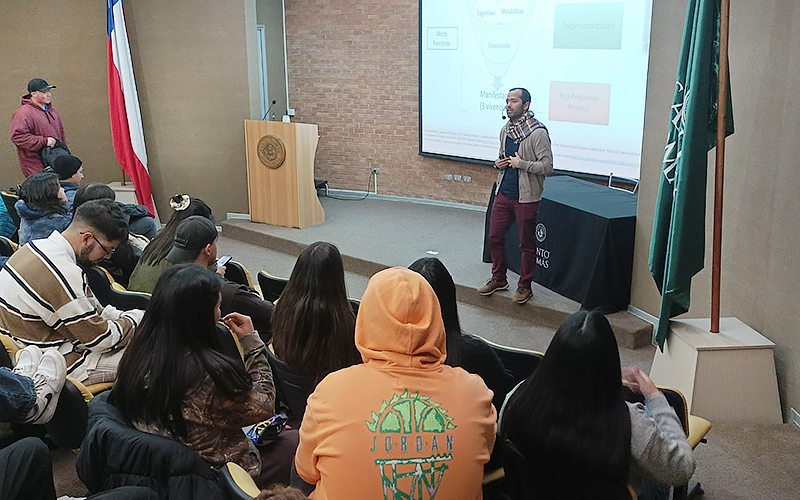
{"x":271,"y":286}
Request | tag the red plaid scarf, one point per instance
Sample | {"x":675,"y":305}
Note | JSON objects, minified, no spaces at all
{"x":523,"y":128}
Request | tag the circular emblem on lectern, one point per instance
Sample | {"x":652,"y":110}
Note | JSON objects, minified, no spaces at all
{"x":271,"y":151}
{"x":541,"y":232}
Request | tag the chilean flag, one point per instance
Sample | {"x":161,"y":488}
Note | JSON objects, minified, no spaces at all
{"x":126,"y":118}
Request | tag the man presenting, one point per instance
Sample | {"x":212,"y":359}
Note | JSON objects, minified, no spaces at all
{"x":525,"y":159}
{"x":44,"y":300}
{"x":35,"y":125}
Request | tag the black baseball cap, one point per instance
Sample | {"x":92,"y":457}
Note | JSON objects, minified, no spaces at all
{"x":192,"y":235}
{"x":39,"y":85}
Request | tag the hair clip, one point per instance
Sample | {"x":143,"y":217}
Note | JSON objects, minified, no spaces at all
{"x":180,"y":202}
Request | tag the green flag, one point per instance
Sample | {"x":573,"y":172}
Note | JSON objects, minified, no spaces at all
{"x":678,"y":242}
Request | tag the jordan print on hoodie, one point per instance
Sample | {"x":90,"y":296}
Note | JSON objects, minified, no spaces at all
{"x":402,"y":425}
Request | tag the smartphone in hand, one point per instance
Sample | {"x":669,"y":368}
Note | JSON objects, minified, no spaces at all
{"x":223,"y":260}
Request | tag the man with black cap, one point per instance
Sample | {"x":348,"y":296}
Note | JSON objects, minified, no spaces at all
{"x":70,"y":174}
{"x":196,"y":242}
{"x":35,"y":125}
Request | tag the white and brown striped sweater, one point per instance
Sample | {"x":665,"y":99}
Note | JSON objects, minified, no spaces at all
{"x":43,"y":301}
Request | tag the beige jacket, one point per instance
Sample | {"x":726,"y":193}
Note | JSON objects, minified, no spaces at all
{"x":536,"y":164}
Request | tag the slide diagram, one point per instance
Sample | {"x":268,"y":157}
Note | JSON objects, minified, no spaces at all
{"x":499,"y":26}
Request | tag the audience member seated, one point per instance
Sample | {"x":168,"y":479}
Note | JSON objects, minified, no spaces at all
{"x":152,"y":262}
{"x":29,"y":394}
{"x":70,"y":174}
{"x":124,"y":258}
{"x":175,"y":381}
{"x":466,"y":351}
{"x":41,"y":207}
{"x":570,"y":421}
{"x":402,"y":419}
{"x":137,"y":216}
{"x":44,"y":295}
{"x":196,"y":242}
{"x":313,"y":323}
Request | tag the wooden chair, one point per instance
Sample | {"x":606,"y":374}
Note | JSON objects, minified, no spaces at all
{"x":236,"y":272}
{"x":520,"y":363}
{"x":271,"y":286}
{"x":107,"y":291}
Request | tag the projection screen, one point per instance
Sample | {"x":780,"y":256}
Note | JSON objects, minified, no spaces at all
{"x":585,"y":65}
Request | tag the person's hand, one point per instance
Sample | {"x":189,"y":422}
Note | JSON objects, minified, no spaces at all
{"x":221,"y":270}
{"x":501,"y":163}
{"x":51,"y":141}
{"x":638,"y":381}
{"x":514,"y":160}
{"x":239,"y":324}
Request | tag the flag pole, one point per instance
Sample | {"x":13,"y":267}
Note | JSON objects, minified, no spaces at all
{"x":719,"y":174}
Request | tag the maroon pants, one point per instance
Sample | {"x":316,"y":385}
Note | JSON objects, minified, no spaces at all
{"x":504,"y":212}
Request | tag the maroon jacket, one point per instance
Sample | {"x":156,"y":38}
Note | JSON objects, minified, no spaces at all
{"x":30,"y":128}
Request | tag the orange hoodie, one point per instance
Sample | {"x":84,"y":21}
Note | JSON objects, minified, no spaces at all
{"x":402,"y":422}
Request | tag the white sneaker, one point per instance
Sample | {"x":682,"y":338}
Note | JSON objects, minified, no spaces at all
{"x":48,"y":382}
{"x":28,"y":361}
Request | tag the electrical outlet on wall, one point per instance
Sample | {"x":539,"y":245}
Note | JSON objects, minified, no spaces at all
{"x":457,"y":177}
{"x":467,"y":178}
{"x":376,"y":170}
{"x":448,"y":177}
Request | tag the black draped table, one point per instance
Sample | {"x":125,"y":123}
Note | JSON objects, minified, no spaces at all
{"x":584,"y":236}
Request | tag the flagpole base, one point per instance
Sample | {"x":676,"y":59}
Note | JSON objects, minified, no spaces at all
{"x":725,"y":377}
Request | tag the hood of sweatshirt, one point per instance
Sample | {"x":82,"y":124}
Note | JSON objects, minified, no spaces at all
{"x":30,"y":212}
{"x":399,"y":322}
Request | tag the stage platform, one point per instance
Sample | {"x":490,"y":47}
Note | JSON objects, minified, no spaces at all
{"x":374,"y":234}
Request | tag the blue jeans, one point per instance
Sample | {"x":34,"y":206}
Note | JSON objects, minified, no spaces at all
{"x":17,"y":396}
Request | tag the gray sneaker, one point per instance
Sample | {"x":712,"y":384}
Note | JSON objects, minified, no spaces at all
{"x":48,"y":382}
{"x":27,"y":361}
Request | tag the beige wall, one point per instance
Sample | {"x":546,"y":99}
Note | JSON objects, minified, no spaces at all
{"x":761,"y":257}
{"x":191,"y":64}
{"x":191,"y":67}
{"x":74,"y":60}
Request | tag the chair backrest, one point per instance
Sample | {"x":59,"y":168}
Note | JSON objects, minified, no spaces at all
{"x":292,"y":389}
{"x":354,"y":305}
{"x":522,"y":482}
{"x":108,"y":291}
{"x":271,"y":286}
{"x":114,"y":453}
{"x":7,"y":247}
{"x":674,"y":398}
{"x":520,"y":363}
{"x":10,"y":199}
{"x":236,"y":272}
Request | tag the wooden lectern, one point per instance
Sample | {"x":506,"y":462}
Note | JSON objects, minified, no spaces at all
{"x":280,"y":173}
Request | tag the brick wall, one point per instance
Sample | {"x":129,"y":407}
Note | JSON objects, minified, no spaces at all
{"x":354,"y":71}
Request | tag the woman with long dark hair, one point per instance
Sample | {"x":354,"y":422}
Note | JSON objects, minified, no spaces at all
{"x":466,"y":351}
{"x":152,"y":263}
{"x":174,"y":379}
{"x":570,"y":420}
{"x":313,"y":323}
{"x":42,"y":207}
